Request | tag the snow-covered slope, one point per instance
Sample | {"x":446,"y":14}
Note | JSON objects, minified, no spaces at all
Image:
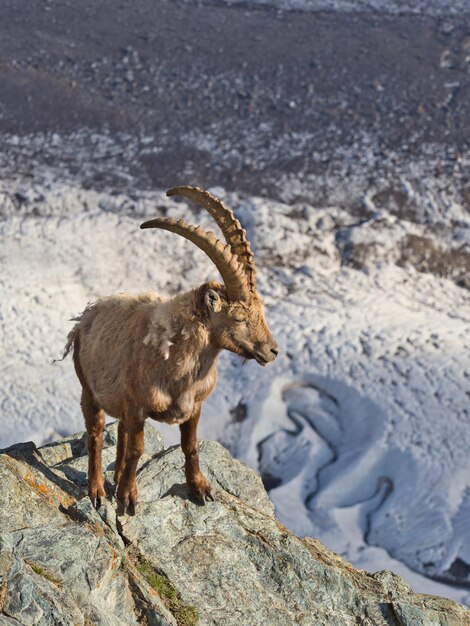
{"x":361,"y":427}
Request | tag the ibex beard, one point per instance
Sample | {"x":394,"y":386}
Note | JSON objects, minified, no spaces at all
{"x":147,"y":356}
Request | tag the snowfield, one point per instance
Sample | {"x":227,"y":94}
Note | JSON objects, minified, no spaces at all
{"x":361,"y":428}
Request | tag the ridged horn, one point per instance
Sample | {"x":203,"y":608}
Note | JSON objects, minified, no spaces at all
{"x":231,"y":228}
{"x":220,"y":254}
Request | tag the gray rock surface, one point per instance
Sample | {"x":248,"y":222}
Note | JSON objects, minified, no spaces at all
{"x":175,"y":562}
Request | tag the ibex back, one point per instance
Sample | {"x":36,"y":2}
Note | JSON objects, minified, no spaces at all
{"x":148,"y":356}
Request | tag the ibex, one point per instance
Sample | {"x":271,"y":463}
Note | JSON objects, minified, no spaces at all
{"x":149,"y":356}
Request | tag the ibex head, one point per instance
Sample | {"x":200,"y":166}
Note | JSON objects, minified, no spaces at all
{"x":235,"y":311}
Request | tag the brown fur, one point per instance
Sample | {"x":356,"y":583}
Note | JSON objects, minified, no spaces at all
{"x":140,"y":356}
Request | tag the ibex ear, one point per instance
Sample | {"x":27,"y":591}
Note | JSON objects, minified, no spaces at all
{"x":213,"y":300}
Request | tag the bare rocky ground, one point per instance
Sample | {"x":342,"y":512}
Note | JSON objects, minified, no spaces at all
{"x":176,"y":563}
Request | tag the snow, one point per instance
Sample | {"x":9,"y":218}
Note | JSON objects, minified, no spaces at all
{"x":420,"y":7}
{"x":361,"y":427}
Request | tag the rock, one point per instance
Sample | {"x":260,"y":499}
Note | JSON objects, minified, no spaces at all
{"x":176,"y":563}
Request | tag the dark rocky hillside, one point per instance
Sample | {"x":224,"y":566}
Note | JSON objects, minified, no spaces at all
{"x":315,"y":106}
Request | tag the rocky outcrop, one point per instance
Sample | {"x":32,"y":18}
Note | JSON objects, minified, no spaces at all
{"x":175,"y":562}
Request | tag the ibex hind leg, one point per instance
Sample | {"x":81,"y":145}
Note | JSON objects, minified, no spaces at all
{"x":95,"y":424}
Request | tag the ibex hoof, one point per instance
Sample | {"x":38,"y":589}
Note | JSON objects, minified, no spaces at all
{"x":131,"y":507}
{"x":96,"y":493}
{"x":123,"y":508}
{"x":120,"y":509}
{"x":202,"y":495}
{"x":126,"y":501}
{"x":96,"y":502}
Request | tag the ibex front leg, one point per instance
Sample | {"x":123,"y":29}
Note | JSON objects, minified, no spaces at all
{"x":127,"y":495}
{"x":197,"y":483}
